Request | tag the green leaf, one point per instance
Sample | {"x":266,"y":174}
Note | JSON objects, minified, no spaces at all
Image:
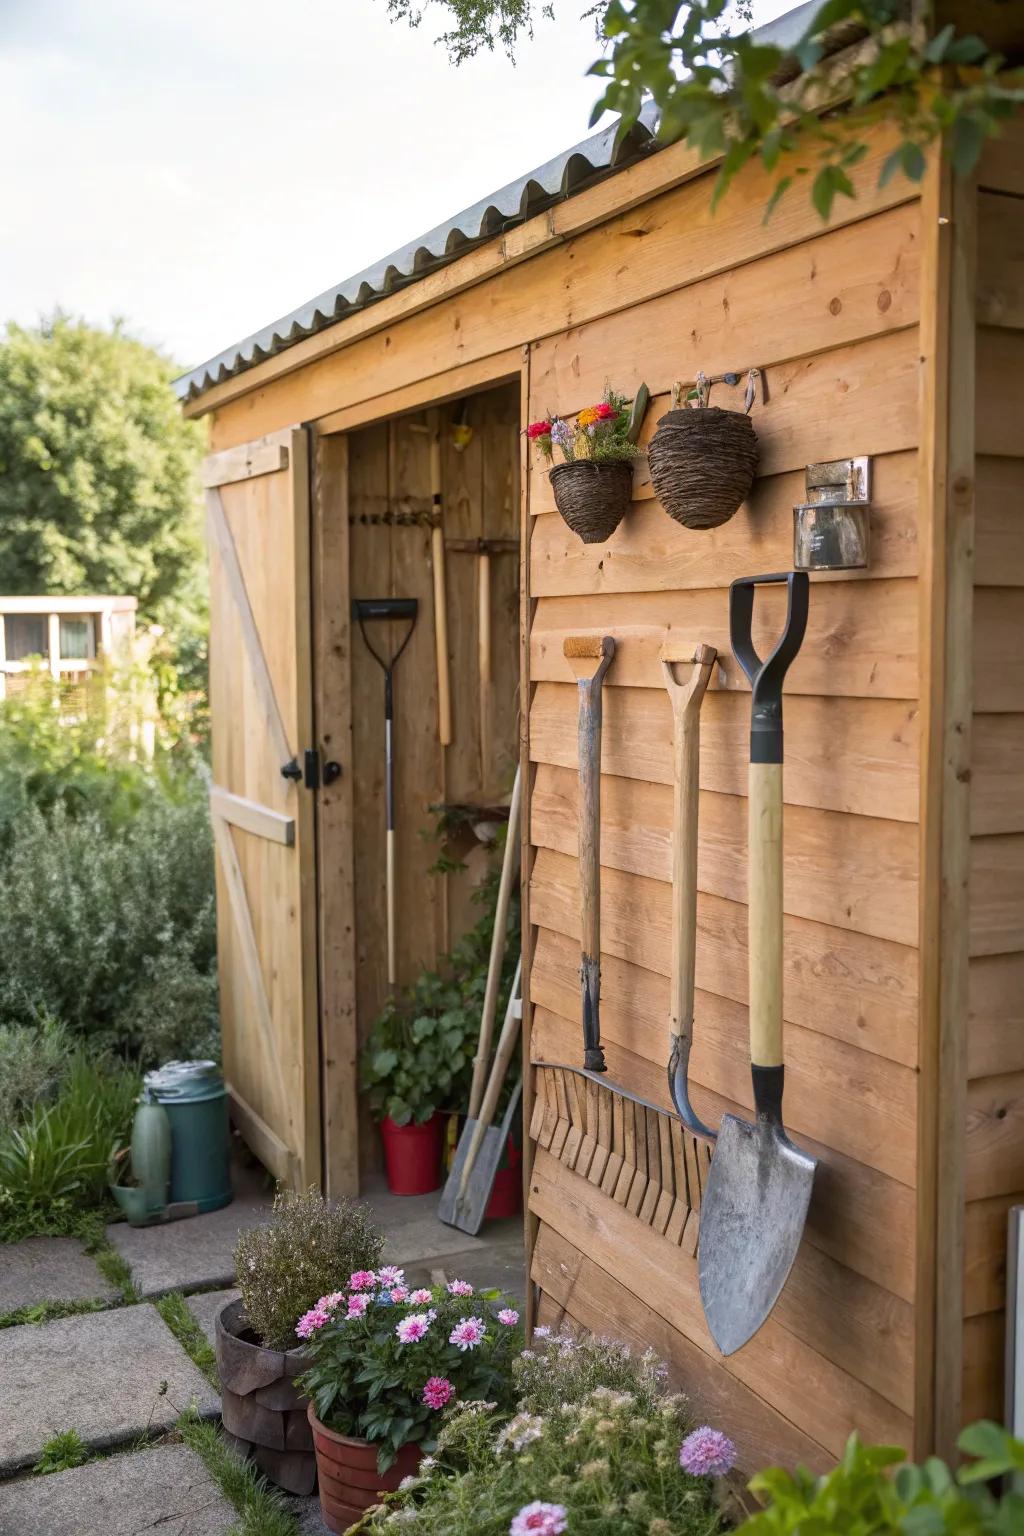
{"x":779,"y":191}
{"x":935,"y":50}
{"x":969,"y":135}
{"x":893,"y":163}
{"x":384,"y":1062}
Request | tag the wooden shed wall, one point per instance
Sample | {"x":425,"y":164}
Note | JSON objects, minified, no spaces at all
{"x":994,"y":1171}
{"x":634,"y":280}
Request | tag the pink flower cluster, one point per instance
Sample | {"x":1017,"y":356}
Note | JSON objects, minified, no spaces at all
{"x":437,"y":1391}
{"x":468,"y":1333}
{"x":459,"y":1288}
{"x":509,"y":1316}
{"x":390,"y":1276}
{"x":412,"y":1328}
{"x":540,"y":1519}
{"x":707,"y":1452}
{"x":362,"y":1280}
{"x":420,"y":1297}
{"x":358,"y":1304}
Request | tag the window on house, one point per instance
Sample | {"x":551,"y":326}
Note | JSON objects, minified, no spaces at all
{"x":25,"y":635}
{"x":77,"y":639}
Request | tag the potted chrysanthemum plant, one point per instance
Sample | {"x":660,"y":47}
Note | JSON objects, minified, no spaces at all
{"x":593,"y":485}
{"x":384,"y":1360}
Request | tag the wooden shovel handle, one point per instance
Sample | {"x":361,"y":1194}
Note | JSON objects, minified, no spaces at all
{"x":509,"y":871}
{"x":589,"y":743}
{"x":502,"y":1057}
{"x":765,"y":898}
{"x":444,"y":696}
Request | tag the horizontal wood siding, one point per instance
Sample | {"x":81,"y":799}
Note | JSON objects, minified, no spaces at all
{"x":831,"y":317}
{"x":995,"y":1061}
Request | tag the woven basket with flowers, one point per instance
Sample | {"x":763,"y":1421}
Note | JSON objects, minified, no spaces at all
{"x":593,"y":485}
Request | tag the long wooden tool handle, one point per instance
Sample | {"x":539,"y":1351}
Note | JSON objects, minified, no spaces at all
{"x":484,"y":661}
{"x":590,"y":718}
{"x":444,"y":695}
{"x":502,"y":1057}
{"x":509,"y":871}
{"x":390,"y":889}
{"x":765,"y":896}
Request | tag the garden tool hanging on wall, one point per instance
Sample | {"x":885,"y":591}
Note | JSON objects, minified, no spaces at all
{"x":366,"y":610}
{"x":759,"y":1188}
{"x":686,"y":698}
{"x":590,"y":656}
{"x":485,"y":550}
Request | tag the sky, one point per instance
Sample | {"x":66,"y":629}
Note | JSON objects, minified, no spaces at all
{"x":201,"y":167}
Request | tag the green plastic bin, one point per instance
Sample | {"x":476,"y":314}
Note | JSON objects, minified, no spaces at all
{"x":196,"y":1101}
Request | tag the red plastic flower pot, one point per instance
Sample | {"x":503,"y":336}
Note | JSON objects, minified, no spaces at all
{"x":347,"y":1471}
{"x":507,"y":1193}
{"x":412,"y":1155}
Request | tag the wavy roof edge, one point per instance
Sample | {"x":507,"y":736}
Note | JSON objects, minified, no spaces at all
{"x":593,"y":159}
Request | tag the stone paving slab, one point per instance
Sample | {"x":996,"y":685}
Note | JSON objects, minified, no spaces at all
{"x":49,"y":1269}
{"x":188,"y":1255}
{"x":206,"y":1305}
{"x":412,"y":1231}
{"x":100,"y":1373}
{"x":306,"y":1513}
{"x":165,"y":1489}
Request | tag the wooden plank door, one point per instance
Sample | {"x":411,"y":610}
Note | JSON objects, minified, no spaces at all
{"x":257,"y":506}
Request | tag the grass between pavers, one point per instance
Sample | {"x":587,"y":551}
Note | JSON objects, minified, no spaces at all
{"x":91,"y":1233}
{"x":260,"y":1508}
{"x":66,"y":1449}
{"x":175,"y":1313}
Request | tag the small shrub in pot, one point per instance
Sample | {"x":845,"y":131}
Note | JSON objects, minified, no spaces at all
{"x":309,"y":1248}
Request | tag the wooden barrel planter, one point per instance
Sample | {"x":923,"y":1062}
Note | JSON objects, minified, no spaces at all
{"x":349,"y":1480}
{"x":264,"y":1414}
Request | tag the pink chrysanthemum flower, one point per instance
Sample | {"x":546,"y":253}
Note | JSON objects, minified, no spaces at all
{"x":707,"y":1452}
{"x":399,"y":1294}
{"x":509,"y":1316}
{"x":468,"y":1333}
{"x":420,"y":1297}
{"x":362,"y":1280}
{"x":459,"y":1288}
{"x":328,"y":1303}
{"x":311,"y":1322}
{"x":357,"y":1305}
{"x":540,"y":1519}
{"x":411,"y":1329}
{"x":390,"y":1275}
{"x":438,"y":1391}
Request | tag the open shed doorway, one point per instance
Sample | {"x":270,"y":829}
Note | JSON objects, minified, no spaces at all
{"x":446,"y":797}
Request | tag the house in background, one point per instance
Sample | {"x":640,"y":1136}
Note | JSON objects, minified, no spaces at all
{"x":71,"y":634}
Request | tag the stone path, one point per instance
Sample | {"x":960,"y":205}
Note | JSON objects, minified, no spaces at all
{"x":165,"y":1488}
{"x":120,"y":1376}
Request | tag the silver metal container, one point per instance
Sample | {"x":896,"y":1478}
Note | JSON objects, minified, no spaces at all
{"x":831,"y":529}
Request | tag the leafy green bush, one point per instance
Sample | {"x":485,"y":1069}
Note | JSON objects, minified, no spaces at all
{"x":308,"y":1249}
{"x":33,"y":1062}
{"x":419,"y":1055}
{"x":593,"y":1447}
{"x":114,"y":935}
{"x":54,"y":1162}
{"x":863,"y":1496}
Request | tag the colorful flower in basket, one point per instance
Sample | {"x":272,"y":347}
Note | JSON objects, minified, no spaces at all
{"x":538,"y":429}
{"x":707,"y":1452}
{"x":599,"y":433}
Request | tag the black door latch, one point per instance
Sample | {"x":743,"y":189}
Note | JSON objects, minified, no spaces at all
{"x":309,"y":772}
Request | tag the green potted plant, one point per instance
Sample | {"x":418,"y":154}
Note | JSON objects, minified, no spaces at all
{"x":593,"y":485}
{"x":308,"y":1248}
{"x":384,"y":1361}
{"x":418,"y":1060}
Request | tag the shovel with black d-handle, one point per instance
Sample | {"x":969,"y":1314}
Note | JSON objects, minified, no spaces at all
{"x":759,"y":1188}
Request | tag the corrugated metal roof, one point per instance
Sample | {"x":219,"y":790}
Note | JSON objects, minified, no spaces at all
{"x":560,"y":178}
{"x":568,"y":173}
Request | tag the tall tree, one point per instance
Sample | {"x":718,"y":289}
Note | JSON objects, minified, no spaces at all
{"x":98,"y":472}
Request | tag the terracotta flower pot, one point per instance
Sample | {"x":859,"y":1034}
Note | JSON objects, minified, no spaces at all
{"x":347,"y":1470}
{"x":264,"y":1413}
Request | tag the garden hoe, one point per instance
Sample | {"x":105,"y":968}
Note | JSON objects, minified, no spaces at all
{"x":759,"y":1187}
{"x":686,"y":701}
{"x":482,"y":1144}
{"x":590,"y":656}
{"x":364,"y":610}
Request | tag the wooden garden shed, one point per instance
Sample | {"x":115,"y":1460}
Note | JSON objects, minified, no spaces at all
{"x":897,"y":331}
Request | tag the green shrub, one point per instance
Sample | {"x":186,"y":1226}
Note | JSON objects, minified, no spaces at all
{"x":864,"y":1496}
{"x":594,"y":1435}
{"x":55,"y":1161}
{"x":33,"y":1062}
{"x":114,"y":935}
{"x":419,"y":1055}
{"x":308,"y":1249}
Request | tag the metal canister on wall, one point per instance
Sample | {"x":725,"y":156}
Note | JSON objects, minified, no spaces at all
{"x":831,"y":528}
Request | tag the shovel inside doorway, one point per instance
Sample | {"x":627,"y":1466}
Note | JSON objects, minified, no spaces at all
{"x":365,"y":610}
{"x":759,"y":1186}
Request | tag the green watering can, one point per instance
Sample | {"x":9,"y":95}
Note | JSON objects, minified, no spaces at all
{"x":179,"y":1147}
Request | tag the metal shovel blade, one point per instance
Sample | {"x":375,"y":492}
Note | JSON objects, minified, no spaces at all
{"x":751,"y":1222}
{"x":468,"y":1213}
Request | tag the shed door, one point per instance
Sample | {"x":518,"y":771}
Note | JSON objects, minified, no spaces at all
{"x":257,"y":507}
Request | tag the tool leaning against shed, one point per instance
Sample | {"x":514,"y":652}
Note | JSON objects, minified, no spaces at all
{"x":365,"y":610}
{"x":759,"y":1189}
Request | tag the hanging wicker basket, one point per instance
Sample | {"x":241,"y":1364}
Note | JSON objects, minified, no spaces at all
{"x":593,"y":498}
{"x":703,"y":463}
